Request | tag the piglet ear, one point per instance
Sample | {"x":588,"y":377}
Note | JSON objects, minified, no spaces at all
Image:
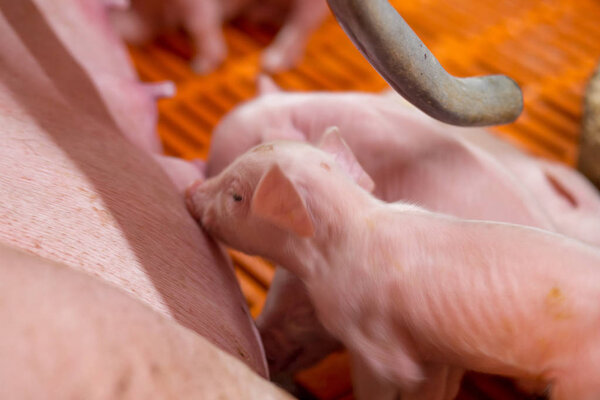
{"x":277,"y":200}
{"x":266,"y":85}
{"x":332,"y":143}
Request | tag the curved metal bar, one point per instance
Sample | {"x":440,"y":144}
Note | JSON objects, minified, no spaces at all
{"x":397,"y":53}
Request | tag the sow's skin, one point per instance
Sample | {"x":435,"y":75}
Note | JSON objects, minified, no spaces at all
{"x":204,"y":19}
{"x":464,"y":172}
{"x":74,"y":190}
{"x":66,"y":335}
{"x":415,"y":296}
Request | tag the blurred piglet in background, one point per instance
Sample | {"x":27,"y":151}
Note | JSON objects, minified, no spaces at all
{"x":83,"y":28}
{"x":465,"y":172}
{"x":83,"y":31}
{"x":415,"y":296}
{"x":204,"y":19}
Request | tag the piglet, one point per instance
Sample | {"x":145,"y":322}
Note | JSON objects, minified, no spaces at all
{"x":203,"y":20}
{"x":80,"y":29}
{"x":468,"y":173}
{"x":415,"y":296}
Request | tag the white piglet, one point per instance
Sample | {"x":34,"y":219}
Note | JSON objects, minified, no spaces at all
{"x":416,"y":297}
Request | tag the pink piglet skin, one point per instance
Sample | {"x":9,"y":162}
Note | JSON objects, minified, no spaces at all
{"x":415,"y":296}
{"x":465,"y":172}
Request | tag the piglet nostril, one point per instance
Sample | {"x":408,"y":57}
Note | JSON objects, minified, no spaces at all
{"x":189,"y":198}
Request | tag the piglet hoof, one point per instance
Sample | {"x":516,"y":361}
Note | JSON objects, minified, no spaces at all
{"x":276,"y":61}
{"x":266,"y":85}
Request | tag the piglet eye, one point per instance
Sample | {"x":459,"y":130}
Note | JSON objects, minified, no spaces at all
{"x":237,"y":197}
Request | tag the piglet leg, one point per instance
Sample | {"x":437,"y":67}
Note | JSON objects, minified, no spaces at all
{"x":442,"y":383}
{"x":203,"y":21}
{"x":289,"y":44}
{"x":130,"y":25}
{"x":577,"y":381}
{"x":391,"y":362}
{"x":577,"y":387}
{"x":453,"y":380}
{"x":292,"y":335}
{"x":367,"y":385}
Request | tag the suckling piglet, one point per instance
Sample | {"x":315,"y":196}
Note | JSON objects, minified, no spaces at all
{"x":414,"y":295}
{"x":465,"y":172}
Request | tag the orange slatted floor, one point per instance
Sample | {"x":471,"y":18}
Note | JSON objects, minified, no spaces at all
{"x":549,"y":47}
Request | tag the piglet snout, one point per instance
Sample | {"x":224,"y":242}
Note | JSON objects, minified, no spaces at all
{"x":192,"y":201}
